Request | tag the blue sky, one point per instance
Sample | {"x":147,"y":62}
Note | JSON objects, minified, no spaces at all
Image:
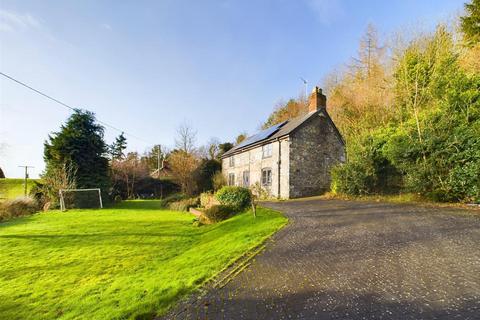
{"x":148,"y":66}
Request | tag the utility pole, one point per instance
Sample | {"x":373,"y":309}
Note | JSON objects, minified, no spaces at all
{"x":158,"y":159}
{"x":26,"y":177}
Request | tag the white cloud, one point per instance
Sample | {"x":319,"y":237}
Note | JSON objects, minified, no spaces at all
{"x":106,"y":26}
{"x":13,"y":21}
{"x":327,"y":11}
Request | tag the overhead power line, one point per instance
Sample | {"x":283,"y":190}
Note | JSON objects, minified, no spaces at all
{"x":69,"y":107}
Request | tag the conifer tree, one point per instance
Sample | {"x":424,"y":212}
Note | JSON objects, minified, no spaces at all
{"x":79,"y":145}
{"x":470,"y":23}
{"x":118,"y":147}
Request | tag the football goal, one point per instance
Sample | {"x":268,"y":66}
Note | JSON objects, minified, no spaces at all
{"x":80,"y":198}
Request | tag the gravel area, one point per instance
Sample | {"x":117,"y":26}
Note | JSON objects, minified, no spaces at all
{"x":355,"y":260}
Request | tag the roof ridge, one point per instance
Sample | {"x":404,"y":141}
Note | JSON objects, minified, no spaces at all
{"x":291,"y":124}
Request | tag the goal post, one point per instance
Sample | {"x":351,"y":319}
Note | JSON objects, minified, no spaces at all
{"x":62,"y":193}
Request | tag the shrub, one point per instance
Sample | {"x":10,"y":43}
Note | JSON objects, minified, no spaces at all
{"x":368,"y":170}
{"x":184,"y":205}
{"x":204,"y":174}
{"x":117,"y":199}
{"x":144,"y":187}
{"x":352,"y":178}
{"x":237,"y":197}
{"x":207,"y":200}
{"x":218,"y":181}
{"x":39,"y":193}
{"x":260,"y":192}
{"x":196,"y":222}
{"x":58,"y":178}
{"x":219,"y":213}
{"x":173,"y":198}
{"x":17,"y":207}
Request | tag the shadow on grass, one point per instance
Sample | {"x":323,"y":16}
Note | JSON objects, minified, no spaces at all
{"x":145,"y":233}
{"x":139,"y":205}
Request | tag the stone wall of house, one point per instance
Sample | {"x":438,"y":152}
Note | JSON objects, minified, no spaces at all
{"x":306,"y":158}
{"x":314,"y":148}
{"x":252,"y":161}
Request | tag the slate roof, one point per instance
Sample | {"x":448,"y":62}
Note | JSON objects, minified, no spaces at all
{"x":284,"y":130}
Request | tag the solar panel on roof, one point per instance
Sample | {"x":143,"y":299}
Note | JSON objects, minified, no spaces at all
{"x":264,"y":134}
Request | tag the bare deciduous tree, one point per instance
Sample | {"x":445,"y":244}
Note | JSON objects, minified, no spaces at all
{"x":213,"y":148}
{"x":287,"y":110}
{"x":183,"y":165}
{"x":126,"y":173}
{"x":360,"y":93}
{"x":186,"y":138}
{"x":210,"y":150}
{"x":57,"y":179}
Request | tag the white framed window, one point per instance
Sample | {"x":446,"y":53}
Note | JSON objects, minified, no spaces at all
{"x":231,"y":161}
{"x":246,"y":179}
{"x":267,"y":150}
{"x":231,"y":179}
{"x":266,"y":177}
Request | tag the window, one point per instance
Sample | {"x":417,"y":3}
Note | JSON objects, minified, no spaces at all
{"x":231,"y":161}
{"x":231,"y":179}
{"x":246,"y":179}
{"x":267,"y":150}
{"x":266,"y":177}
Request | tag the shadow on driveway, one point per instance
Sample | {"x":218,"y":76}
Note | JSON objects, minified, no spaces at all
{"x":355,"y":260}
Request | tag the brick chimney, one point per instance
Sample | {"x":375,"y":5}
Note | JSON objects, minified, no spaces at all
{"x":317,"y":100}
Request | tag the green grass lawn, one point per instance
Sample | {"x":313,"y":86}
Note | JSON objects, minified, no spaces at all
{"x":13,"y":188}
{"x":131,"y":261}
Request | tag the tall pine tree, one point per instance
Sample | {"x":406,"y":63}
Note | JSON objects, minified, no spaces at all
{"x":79,"y":145}
{"x":118,"y":147}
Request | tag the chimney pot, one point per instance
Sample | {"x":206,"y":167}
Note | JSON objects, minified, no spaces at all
{"x":317,"y":100}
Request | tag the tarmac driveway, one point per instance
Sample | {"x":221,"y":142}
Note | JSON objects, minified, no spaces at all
{"x":356,"y":260}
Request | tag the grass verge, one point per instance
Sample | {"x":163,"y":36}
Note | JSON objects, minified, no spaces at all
{"x":13,"y":188}
{"x":404,"y":198}
{"x":131,"y":261}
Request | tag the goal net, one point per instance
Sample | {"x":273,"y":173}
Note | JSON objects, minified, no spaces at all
{"x":80,"y":198}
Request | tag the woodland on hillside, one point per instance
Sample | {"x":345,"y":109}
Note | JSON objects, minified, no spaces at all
{"x":409,"y":110}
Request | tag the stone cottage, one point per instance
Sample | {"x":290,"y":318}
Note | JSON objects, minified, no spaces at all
{"x":291,"y":159}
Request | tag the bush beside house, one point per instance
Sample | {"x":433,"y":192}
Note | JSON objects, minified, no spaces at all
{"x":219,"y":213}
{"x":184,"y":204}
{"x":221,"y":205}
{"x":232,"y":200}
{"x":207,"y":200}
{"x":237,"y":197}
